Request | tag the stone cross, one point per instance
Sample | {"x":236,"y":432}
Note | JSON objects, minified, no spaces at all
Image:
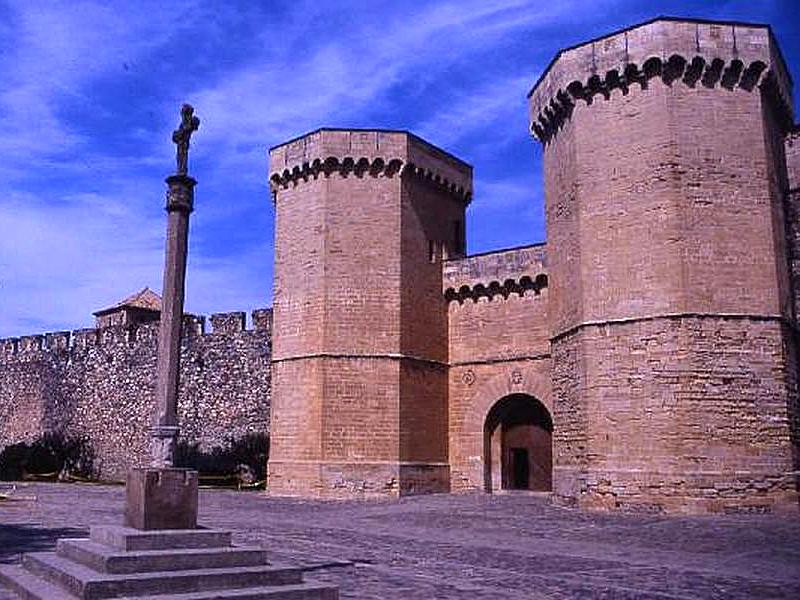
{"x":182,"y":135}
{"x":180,"y":202}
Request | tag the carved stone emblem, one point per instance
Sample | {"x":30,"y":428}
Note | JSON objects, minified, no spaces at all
{"x":516,"y":377}
{"x":468,"y":377}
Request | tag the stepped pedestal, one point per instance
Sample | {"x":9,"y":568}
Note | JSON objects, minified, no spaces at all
{"x":181,"y":564}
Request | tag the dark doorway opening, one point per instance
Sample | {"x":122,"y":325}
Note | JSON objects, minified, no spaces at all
{"x":518,"y":447}
{"x":519,"y":468}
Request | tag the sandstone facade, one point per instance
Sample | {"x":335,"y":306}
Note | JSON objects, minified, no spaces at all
{"x":99,"y":384}
{"x":644,"y":359}
{"x":364,"y":220}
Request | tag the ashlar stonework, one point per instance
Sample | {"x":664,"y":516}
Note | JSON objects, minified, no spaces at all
{"x":643,"y":359}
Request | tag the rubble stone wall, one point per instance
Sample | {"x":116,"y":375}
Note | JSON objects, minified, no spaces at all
{"x":99,"y":384}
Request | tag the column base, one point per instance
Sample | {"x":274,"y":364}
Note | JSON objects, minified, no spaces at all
{"x":161,"y":499}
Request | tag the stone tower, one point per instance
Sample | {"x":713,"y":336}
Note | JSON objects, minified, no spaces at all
{"x":671,"y":318}
{"x":363,"y":221}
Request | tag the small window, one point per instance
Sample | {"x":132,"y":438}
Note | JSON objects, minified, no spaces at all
{"x":458,"y":238}
{"x":431,"y":251}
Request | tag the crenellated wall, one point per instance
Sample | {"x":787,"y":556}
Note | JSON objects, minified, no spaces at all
{"x":498,"y":337}
{"x":99,"y":383}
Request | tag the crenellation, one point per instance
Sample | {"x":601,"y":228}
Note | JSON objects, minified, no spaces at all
{"x":98,"y":383}
{"x":262,"y":320}
{"x":377,"y":153}
{"x":193,"y":326}
{"x":58,"y":340}
{"x":9,"y":346}
{"x":499,"y":265}
{"x":30,"y":344}
{"x":228,"y":323}
{"x":689,"y":51}
{"x":85,"y":338}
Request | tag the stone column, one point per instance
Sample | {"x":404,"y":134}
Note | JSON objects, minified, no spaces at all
{"x":161,"y":496}
{"x":180,"y":200}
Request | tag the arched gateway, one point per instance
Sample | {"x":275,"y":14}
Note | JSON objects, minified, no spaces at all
{"x":518,"y":447}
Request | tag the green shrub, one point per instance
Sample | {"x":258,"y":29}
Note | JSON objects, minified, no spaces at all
{"x":251,"y":450}
{"x":53,"y":453}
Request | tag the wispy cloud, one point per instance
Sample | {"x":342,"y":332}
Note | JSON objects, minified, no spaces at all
{"x":490,"y":106}
{"x":59,"y":260}
{"x":90,"y":95}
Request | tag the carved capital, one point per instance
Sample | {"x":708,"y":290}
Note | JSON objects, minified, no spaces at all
{"x":180,"y":195}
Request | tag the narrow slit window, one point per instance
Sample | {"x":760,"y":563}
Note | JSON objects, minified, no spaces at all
{"x":458,"y":238}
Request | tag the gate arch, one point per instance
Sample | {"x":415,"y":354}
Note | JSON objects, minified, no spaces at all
{"x":517,"y":445}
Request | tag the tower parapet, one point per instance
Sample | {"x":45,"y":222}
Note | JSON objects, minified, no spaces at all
{"x":670,"y":307}
{"x":694,"y":52}
{"x":374,"y":152}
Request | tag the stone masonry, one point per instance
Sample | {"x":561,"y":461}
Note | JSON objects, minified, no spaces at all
{"x":644,"y":359}
{"x":364,"y":219}
{"x":98,"y":383}
{"x":671,"y":318}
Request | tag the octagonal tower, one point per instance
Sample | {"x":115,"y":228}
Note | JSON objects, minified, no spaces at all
{"x":670,"y":295}
{"x":363,"y":221}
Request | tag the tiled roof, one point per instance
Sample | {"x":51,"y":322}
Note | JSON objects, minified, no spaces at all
{"x":145,"y":298}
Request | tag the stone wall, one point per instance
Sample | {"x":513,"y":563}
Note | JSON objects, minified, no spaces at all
{"x":363,"y":220}
{"x":671,"y":324}
{"x":706,"y":427}
{"x":792,"y":151}
{"x":99,"y":383}
{"x":498,"y":332}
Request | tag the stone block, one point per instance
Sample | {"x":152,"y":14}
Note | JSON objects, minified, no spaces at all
{"x":30,"y":586}
{"x":161,"y":499}
{"x":88,"y":584}
{"x":131,"y":540}
{"x":119,"y":562}
{"x":104,"y":559}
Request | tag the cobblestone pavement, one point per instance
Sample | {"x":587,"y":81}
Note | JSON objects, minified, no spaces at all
{"x":460,"y":546}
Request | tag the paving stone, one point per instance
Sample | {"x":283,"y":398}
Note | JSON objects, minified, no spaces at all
{"x":461,"y":546}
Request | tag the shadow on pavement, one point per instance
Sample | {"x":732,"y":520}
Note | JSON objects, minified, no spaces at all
{"x":21,"y":538}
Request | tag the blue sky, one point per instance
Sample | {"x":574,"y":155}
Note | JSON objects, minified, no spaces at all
{"x":90,"y":93}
